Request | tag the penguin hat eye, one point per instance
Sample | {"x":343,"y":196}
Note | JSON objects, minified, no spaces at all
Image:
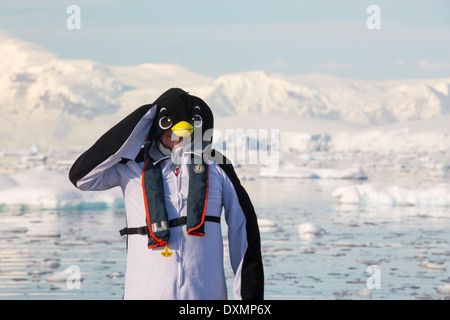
{"x":196,"y":118}
{"x":165,"y":122}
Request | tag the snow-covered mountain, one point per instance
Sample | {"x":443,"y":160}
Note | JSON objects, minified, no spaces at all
{"x":34,"y":82}
{"x":47,"y":100}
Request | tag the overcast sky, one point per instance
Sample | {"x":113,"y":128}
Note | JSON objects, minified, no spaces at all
{"x":215,"y":37}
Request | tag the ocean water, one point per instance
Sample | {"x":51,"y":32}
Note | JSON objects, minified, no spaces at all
{"x":366,"y":252}
{"x":410,"y":247}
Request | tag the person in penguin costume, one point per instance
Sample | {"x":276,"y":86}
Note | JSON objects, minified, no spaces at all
{"x":175,"y":187}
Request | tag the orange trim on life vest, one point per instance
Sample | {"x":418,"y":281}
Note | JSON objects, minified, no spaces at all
{"x":159,"y":242}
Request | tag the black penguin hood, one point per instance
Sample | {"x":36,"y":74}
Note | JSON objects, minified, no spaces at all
{"x":183,"y":113}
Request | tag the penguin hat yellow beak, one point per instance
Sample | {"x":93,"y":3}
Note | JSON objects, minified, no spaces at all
{"x":181,"y":115}
{"x":183,"y":129}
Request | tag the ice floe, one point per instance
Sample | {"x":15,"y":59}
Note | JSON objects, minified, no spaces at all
{"x":368,"y":262}
{"x":309,"y":230}
{"x":444,"y":290}
{"x":369,"y":194}
{"x":292,"y":171}
{"x":115,"y":275}
{"x":46,"y":232}
{"x":347,"y":244}
{"x":345,"y":294}
{"x":307,"y":250}
{"x":52,"y":190}
{"x":267,"y":225}
{"x":71,"y":273}
{"x":50,"y":264}
{"x":433,"y":266}
{"x":72,"y":243}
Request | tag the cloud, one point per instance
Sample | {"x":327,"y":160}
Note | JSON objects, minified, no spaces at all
{"x":424,"y":64}
{"x":334,"y":66}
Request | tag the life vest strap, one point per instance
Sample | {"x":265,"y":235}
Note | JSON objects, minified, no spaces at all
{"x":172,"y":223}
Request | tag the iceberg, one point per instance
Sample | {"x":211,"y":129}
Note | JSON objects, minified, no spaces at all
{"x":309,"y":230}
{"x":369,"y":194}
{"x":292,"y":171}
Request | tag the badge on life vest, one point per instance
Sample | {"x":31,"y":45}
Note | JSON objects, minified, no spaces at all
{"x":199,"y":168}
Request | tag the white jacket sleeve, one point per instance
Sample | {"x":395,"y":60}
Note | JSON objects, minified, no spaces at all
{"x":95,"y":169}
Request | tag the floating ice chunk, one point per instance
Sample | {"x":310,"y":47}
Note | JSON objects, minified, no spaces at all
{"x":350,"y":173}
{"x":368,"y":262}
{"x":422,"y":297}
{"x":59,"y":277}
{"x":368,"y":194}
{"x":290,"y":171}
{"x":444,"y":290}
{"x":363,"y":293}
{"x":347,"y":244}
{"x":267,"y":225}
{"x":72,"y":243}
{"x":309,"y":227}
{"x":342,"y":293}
{"x":433,"y":266}
{"x":361,"y":194}
{"x":52,"y":190}
{"x":37,"y":273}
{"x":66,"y":275}
{"x":50,"y":264}
{"x":307,"y":250}
{"x":350,"y":224}
{"x":420,"y":257}
{"x":16,"y":230}
{"x":309,"y":230}
{"x":115,"y":275}
{"x":43,"y":233}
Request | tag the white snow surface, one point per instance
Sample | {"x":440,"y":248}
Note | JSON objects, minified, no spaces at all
{"x":55,"y":102}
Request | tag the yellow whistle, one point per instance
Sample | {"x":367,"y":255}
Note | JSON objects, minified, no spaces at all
{"x":166,"y":252}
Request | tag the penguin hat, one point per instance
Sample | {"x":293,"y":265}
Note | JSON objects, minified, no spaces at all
{"x":183,"y":114}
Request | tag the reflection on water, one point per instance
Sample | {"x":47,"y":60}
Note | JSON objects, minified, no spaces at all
{"x":37,"y":246}
{"x":410,"y":246}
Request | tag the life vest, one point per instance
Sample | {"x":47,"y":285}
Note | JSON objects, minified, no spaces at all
{"x":155,"y":209}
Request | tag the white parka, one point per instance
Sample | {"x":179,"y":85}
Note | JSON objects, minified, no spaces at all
{"x":195,"y":267}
